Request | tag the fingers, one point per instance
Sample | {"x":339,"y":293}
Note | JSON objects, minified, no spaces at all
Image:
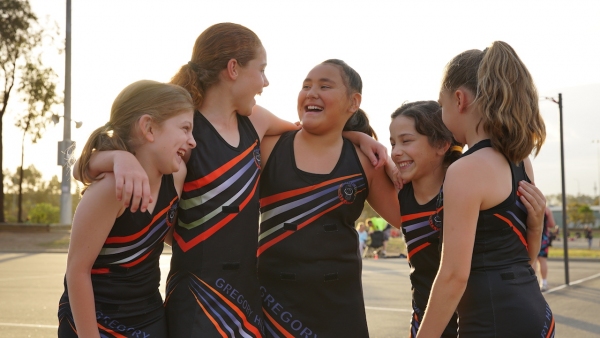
{"x":373,"y":159}
{"x":119,"y":187}
{"x":382,"y":156}
{"x":532,"y":196}
{"x":127,"y":192}
{"x":146,"y":195}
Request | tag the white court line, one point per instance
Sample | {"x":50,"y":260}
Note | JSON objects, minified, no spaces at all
{"x":31,"y":277}
{"x":367,"y":272}
{"x":31,"y":325}
{"x":573,"y":283}
{"x":386,"y":309}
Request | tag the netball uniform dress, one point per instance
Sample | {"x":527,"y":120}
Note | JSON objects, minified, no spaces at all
{"x":212,"y":288}
{"x":308,"y":257}
{"x":422,"y":238}
{"x":502,"y":297}
{"x":126,"y":274}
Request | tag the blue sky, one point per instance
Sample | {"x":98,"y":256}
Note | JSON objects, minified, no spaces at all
{"x":399,"y":48}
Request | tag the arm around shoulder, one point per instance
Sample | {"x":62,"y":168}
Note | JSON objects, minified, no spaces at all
{"x":383,"y":195}
{"x":267,"y":124}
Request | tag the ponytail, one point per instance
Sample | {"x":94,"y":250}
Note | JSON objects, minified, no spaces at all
{"x":359,"y":121}
{"x":103,"y":138}
{"x":506,"y":96}
{"x":508,"y":100}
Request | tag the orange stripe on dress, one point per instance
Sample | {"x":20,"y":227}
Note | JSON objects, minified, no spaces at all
{"x":514,"y":229}
{"x":276,"y":324}
{"x":125,"y":239}
{"x":410,"y":217}
{"x":185,"y":246}
{"x":223,"y":334}
{"x":287,"y":233}
{"x":287,"y":194}
{"x":247,"y":325}
{"x":417,"y":249}
{"x":137,"y":261}
{"x":204,"y":180}
{"x":117,"y":335}
{"x":100,"y":271}
{"x":551,"y":328}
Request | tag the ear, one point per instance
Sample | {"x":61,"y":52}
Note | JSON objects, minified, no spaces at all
{"x":356,"y":99}
{"x":463,"y":99}
{"x":233,"y":69}
{"x":146,"y":127}
{"x":443,"y":149}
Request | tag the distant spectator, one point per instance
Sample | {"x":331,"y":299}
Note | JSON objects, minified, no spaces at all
{"x":363,"y":235}
{"x":549,"y":225}
{"x":379,"y":224}
{"x":588,"y":234}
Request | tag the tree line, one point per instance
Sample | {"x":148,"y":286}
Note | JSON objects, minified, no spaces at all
{"x":40,"y":198}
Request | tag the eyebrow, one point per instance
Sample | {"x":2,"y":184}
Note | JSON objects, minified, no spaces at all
{"x":323,"y":79}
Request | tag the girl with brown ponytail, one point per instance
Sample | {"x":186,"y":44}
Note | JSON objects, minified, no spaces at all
{"x":490,"y":103}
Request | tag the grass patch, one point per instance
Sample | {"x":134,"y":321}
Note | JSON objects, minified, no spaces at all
{"x":574,"y":253}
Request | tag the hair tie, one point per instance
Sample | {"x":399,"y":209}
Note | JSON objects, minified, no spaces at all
{"x":194,"y":66}
{"x":456,"y":148}
{"x":108,"y":126}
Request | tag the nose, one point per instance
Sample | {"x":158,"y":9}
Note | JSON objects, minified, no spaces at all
{"x":191,"y":142}
{"x":266,"y":81}
{"x":312,"y":93}
{"x":396,"y":151}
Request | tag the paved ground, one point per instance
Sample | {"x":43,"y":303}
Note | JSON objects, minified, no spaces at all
{"x":31,"y":284}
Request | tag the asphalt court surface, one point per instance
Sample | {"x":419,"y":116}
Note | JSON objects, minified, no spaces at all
{"x":31,"y":285}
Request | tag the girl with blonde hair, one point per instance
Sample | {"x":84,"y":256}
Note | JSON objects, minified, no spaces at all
{"x":490,"y":103}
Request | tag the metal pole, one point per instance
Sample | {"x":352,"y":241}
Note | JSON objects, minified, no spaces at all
{"x":564,"y":195}
{"x":65,"y":194}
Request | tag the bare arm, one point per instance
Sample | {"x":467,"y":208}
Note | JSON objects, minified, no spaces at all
{"x":91,"y":227}
{"x":131,"y":180}
{"x":375,"y":151}
{"x":462,"y":201}
{"x":382,"y":193}
{"x":267,"y":124}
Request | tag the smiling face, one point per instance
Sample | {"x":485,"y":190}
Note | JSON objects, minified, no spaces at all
{"x":250,"y":82}
{"x":412,"y":153}
{"x":324,"y":102}
{"x":172,"y":139}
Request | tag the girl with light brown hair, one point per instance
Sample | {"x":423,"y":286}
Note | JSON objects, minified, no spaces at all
{"x":490,"y":103}
{"x":112,"y":277}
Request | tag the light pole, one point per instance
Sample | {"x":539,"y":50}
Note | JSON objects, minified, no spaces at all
{"x":66,"y":144}
{"x":564,"y":195}
{"x":598,"y":185}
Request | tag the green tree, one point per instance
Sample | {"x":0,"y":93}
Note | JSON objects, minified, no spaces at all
{"x":38,"y":84}
{"x":44,"y":213}
{"x":21,"y":38}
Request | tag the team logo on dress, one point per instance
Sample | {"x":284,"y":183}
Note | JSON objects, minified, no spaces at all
{"x":256,"y":154}
{"x":347,"y":192}
{"x":172,"y":214}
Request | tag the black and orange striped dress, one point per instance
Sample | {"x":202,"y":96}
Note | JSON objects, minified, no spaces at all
{"x":422,"y":237}
{"x":212,"y":288}
{"x":308,"y":257}
{"x":126,"y":274}
{"x":503,"y":298}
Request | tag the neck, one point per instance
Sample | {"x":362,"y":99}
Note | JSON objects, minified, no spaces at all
{"x":427,"y":187}
{"x":154,"y":175}
{"x":319,"y":141}
{"x":218,"y":107}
